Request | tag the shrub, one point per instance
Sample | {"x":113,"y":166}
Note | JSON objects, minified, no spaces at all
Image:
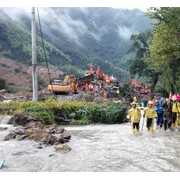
{"x":107,"y":113}
{"x":80,"y":112}
{"x":40,"y":113}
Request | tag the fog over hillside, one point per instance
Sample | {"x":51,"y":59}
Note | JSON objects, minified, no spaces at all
{"x":82,"y":35}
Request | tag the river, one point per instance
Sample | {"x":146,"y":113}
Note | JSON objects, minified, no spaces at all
{"x":96,"y":148}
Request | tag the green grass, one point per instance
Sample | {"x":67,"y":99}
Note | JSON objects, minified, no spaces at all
{"x":79,"y":112}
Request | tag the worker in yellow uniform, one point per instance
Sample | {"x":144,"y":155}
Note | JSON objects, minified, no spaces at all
{"x":134,"y":114}
{"x":174,"y":112}
{"x":178,"y":114}
{"x":150,"y":114}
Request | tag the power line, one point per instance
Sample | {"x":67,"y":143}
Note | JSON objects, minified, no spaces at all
{"x":44,"y":51}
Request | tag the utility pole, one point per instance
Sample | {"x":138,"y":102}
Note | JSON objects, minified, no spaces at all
{"x":34,"y":58}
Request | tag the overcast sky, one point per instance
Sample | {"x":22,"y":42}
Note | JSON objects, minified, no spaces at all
{"x":130,"y":4}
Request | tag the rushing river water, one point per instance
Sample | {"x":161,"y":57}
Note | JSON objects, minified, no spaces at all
{"x":97,"y":148}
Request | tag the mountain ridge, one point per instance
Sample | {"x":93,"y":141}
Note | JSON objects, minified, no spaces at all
{"x":74,"y":37}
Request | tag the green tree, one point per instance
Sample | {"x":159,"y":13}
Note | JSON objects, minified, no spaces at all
{"x":141,"y":65}
{"x":165,"y":47}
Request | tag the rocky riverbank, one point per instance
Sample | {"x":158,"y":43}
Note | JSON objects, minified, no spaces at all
{"x":26,"y":127}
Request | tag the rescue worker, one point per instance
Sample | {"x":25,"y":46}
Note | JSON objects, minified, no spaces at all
{"x":174,"y":112}
{"x":178,"y":113}
{"x":134,"y":114}
{"x":169,"y":109}
{"x":166,"y":113}
{"x":150,"y":114}
{"x":160,"y":111}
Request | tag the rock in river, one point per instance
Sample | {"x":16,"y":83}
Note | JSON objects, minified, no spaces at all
{"x":29,"y":128}
{"x":21,"y":119}
{"x":10,"y":136}
{"x":63,"y":148}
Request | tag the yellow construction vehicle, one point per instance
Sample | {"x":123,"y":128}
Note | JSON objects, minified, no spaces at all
{"x":69,"y":85}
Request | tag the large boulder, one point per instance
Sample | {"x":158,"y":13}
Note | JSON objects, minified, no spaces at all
{"x":21,"y":119}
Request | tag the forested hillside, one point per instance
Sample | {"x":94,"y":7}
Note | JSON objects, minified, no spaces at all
{"x":158,"y":52}
{"x":75,"y":37}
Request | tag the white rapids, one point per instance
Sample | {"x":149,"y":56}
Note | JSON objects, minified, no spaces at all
{"x":97,"y":148}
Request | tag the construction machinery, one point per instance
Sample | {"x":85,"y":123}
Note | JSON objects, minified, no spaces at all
{"x":95,"y":81}
{"x":69,"y":85}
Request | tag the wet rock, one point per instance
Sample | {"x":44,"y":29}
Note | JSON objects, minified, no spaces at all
{"x":21,"y":137}
{"x":34,"y":124}
{"x":55,"y":130}
{"x":19,"y":131}
{"x":59,"y":130}
{"x":10,"y":136}
{"x":21,"y":119}
{"x":35,"y":130}
{"x":36,"y":134}
{"x":50,"y":139}
{"x":52,"y":129}
{"x":60,"y":138}
{"x":66,"y":135}
{"x":63,"y":148}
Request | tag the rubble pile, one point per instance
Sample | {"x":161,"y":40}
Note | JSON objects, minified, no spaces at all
{"x":97,"y":83}
{"x":29,"y":128}
{"x":139,"y":89}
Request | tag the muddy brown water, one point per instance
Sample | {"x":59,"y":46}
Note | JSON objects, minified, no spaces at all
{"x":96,"y":148}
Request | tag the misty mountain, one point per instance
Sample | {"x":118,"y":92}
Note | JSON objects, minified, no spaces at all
{"x":75,"y":37}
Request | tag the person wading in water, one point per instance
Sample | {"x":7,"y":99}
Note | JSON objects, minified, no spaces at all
{"x":150,"y":114}
{"x":134,"y":114}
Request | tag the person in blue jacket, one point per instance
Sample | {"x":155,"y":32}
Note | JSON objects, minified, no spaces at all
{"x":160,"y":111}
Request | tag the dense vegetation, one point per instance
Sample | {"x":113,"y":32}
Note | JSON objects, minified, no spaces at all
{"x":158,"y":52}
{"x":78,"y":112}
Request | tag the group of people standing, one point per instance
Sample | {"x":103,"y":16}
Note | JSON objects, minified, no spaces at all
{"x":159,"y":112}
